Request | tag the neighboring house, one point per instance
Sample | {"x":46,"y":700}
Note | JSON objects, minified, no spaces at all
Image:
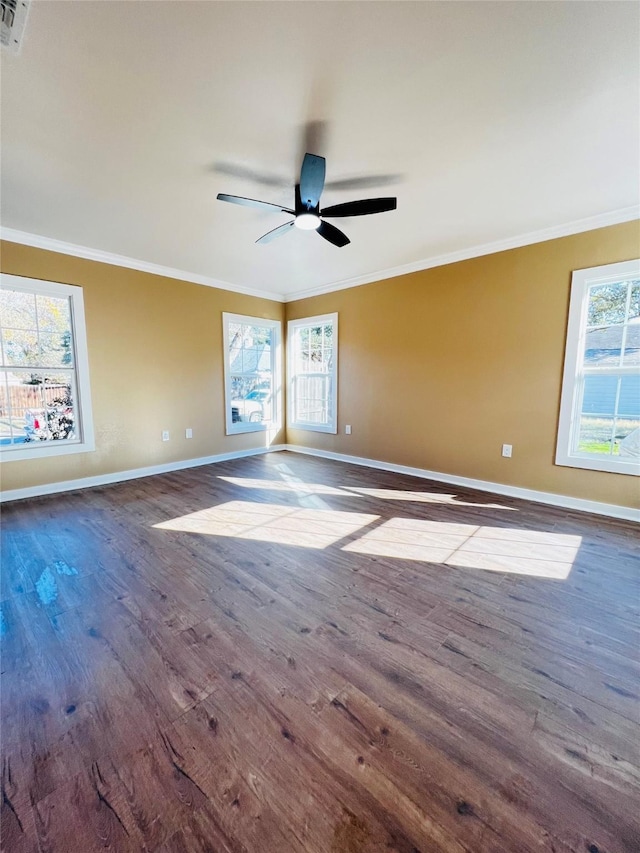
{"x":247,"y":366}
{"x":603,"y":347}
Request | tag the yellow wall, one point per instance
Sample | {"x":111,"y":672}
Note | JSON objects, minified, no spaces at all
{"x":155,"y":359}
{"x":439,"y":368}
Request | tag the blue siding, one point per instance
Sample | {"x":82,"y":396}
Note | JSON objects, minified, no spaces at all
{"x":600,"y":396}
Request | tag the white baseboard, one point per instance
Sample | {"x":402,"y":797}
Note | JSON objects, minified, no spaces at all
{"x":134,"y":474}
{"x":564,"y":501}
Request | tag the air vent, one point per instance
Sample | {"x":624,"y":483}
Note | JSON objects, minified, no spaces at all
{"x":14,"y":18}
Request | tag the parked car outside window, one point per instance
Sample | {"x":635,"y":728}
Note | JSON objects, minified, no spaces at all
{"x":255,"y":407}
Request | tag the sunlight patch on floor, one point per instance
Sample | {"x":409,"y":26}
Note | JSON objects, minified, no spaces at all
{"x":496,"y":549}
{"x":285,"y":525}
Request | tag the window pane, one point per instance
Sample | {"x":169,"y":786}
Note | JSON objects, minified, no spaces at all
{"x":12,"y":431}
{"x":602,"y":428}
{"x":235,"y":360}
{"x":595,"y":435}
{"x":20,"y":347}
{"x":599,"y":395}
{"x":39,"y":407}
{"x":266,"y":400}
{"x":629,"y":447}
{"x":237,"y":385}
{"x":629,"y":402}
{"x":315,"y":360}
{"x":311,"y":411}
{"x":626,"y":437}
{"x":17,"y":310}
{"x":634,"y":306}
{"x":311,"y":395}
{"x":57,"y":418}
{"x":24,"y":391}
{"x":603,"y":345}
{"x":55,"y":350}
{"x":251,"y":403}
{"x":54,"y":314}
{"x":6,"y":432}
{"x":260,"y":336}
{"x":250,"y":361}
{"x":607,"y":304}
{"x":632,"y":344}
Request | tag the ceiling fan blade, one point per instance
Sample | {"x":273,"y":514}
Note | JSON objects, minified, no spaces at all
{"x":312,"y":180}
{"x":251,"y":202}
{"x":361,"y":208}
{"x":333,"y":234}
{"x":277,"y":232}
{"x":364,"y":182}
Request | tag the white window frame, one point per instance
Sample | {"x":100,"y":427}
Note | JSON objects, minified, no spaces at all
{"x":292,"y":327}
{"x":276,"y":372}
{"x":574,"y":372}
{"x":85,"y":441}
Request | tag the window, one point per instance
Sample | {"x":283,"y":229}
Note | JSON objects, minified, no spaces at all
{"x":313,"y":377}
{"x":251,"y":372}
{"x":45,"y":403}
{"x":600,"y":410}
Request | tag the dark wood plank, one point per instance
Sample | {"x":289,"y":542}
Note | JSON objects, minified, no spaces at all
{"x":283,"y":653}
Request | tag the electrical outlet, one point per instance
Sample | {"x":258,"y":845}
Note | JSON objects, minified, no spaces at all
{"x":165,"y":435}
{"x":188,"y":433}
{"x":347,"y":429}
{"x":506,"y":450}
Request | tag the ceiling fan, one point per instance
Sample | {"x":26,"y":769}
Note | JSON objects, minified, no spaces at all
{"x":307,"y":212}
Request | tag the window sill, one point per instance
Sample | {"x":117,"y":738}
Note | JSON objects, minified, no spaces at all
{"x":248,"y":426}
{"x":591,"y":463}
{"x":45,"y":450}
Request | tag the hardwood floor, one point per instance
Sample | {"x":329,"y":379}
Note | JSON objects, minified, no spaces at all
{"x":284,"y":653}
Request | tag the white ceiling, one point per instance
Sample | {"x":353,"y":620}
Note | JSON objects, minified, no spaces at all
{"x":121,"y":121}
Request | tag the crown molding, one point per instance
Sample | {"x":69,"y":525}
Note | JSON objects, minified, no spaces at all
{"x":591,"y":223}
{"x":64,"y":248}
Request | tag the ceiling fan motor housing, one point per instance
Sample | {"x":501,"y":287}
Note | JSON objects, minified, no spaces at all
{"x":307,"y":205}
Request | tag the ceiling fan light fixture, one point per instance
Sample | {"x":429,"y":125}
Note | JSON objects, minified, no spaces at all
{"x":306,"y":212}
{"x":307,"y":221}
